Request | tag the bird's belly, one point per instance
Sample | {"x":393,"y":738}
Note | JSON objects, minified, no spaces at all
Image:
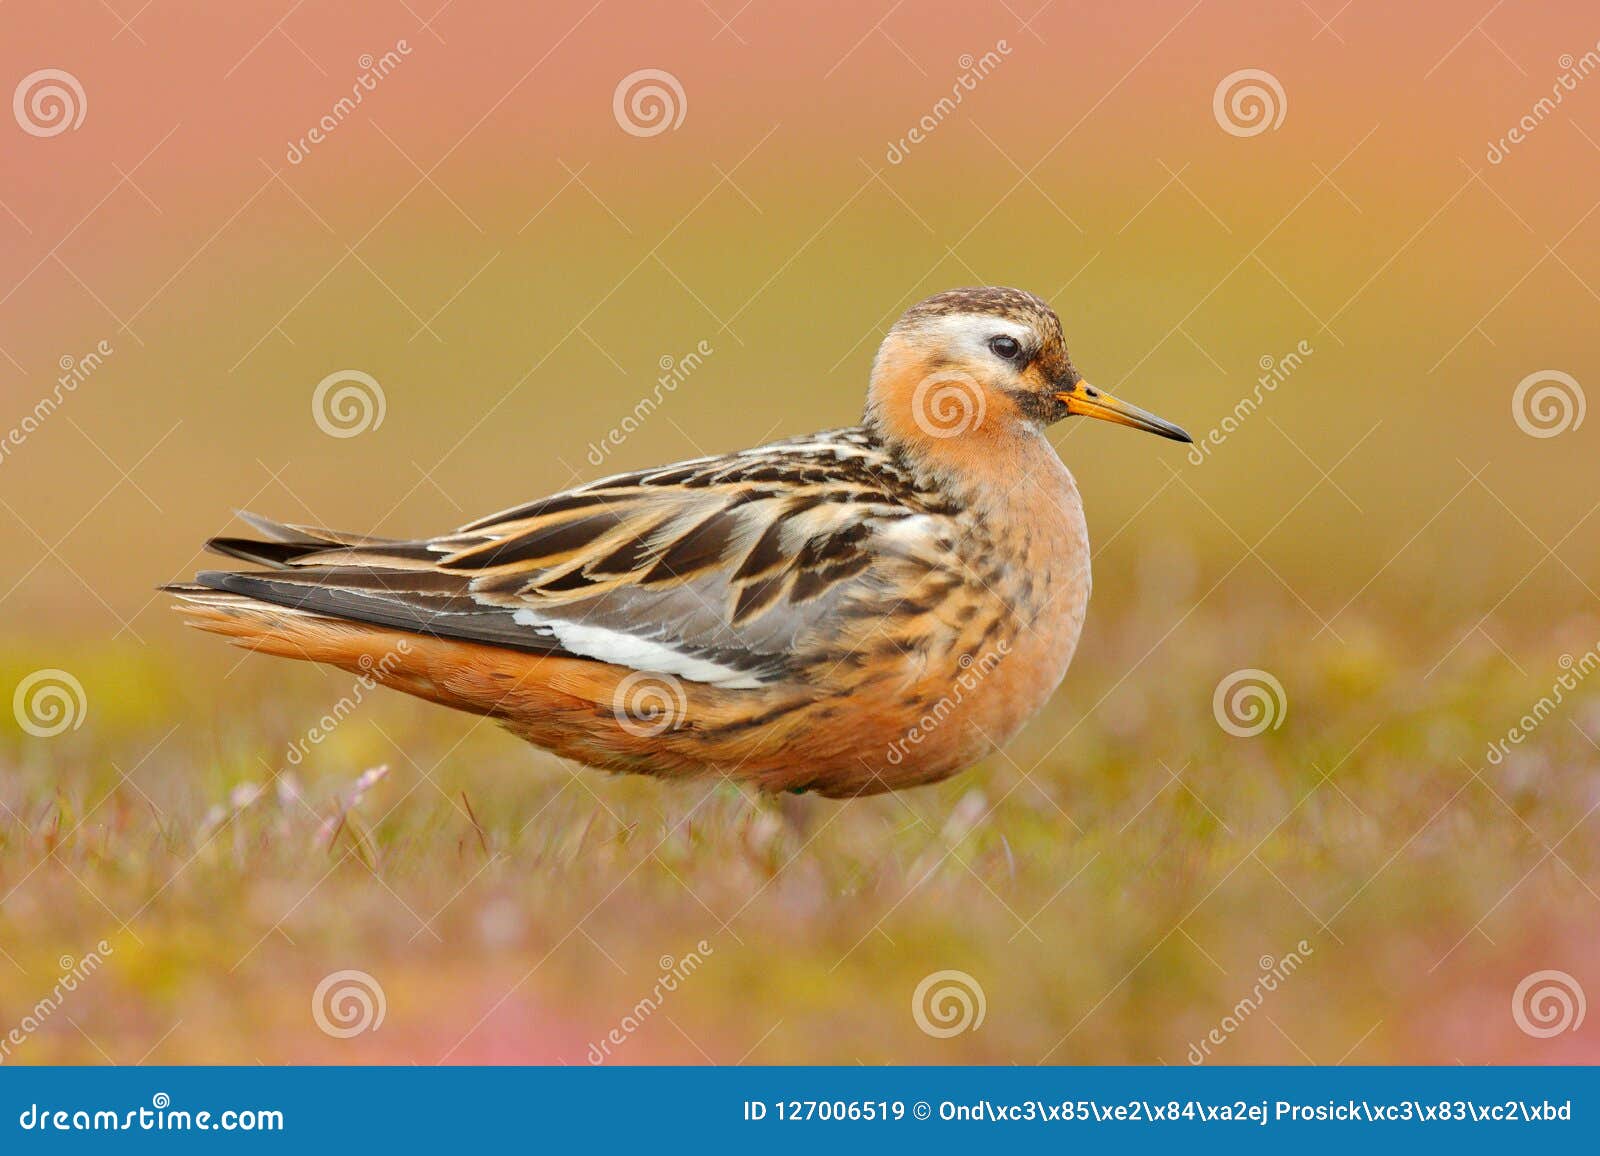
{"x":988,"y":698}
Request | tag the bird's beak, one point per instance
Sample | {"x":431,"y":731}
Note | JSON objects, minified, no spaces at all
{"x":1085,"y":399}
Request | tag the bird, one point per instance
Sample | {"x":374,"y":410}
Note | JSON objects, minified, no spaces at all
{"x":850,"y":612}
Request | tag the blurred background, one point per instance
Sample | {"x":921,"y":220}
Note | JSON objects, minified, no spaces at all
{"x":1353,"y":249}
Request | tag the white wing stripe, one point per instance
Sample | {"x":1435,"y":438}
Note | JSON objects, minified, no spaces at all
{"x":622,"y":649}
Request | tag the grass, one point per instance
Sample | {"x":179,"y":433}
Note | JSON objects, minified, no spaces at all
{"x":1115,"y":883}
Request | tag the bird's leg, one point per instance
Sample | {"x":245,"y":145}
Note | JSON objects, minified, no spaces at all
{"x":799,"y":810}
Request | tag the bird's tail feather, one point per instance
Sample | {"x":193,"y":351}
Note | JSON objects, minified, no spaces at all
{"x":486,"y":680}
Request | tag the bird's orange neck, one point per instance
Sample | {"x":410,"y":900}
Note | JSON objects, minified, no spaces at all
{"x":966,"y":434}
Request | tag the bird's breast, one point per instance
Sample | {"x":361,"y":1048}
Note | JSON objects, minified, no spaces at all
{"x":987,"y":633}
{"x":1043,"y":593}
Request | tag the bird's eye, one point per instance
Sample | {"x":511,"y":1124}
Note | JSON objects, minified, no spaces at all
{"x":1006,"y":347}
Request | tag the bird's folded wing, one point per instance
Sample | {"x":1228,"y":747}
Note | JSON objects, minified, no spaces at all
{"x":731,"y":571}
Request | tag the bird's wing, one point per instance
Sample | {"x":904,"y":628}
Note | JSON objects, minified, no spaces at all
{"x":730,"y":570}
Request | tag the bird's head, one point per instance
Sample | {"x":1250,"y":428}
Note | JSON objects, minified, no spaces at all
{"x":970,"y":370}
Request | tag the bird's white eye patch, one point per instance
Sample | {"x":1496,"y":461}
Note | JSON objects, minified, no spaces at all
{"x":974,"y":335}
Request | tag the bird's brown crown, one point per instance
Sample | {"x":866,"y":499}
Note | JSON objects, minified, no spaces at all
{"x":995,"y":300}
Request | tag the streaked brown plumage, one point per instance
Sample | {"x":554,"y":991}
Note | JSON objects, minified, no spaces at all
{"x":854,"y":611}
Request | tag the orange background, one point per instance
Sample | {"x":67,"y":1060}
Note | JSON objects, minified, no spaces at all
{"x":485,"y":240}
